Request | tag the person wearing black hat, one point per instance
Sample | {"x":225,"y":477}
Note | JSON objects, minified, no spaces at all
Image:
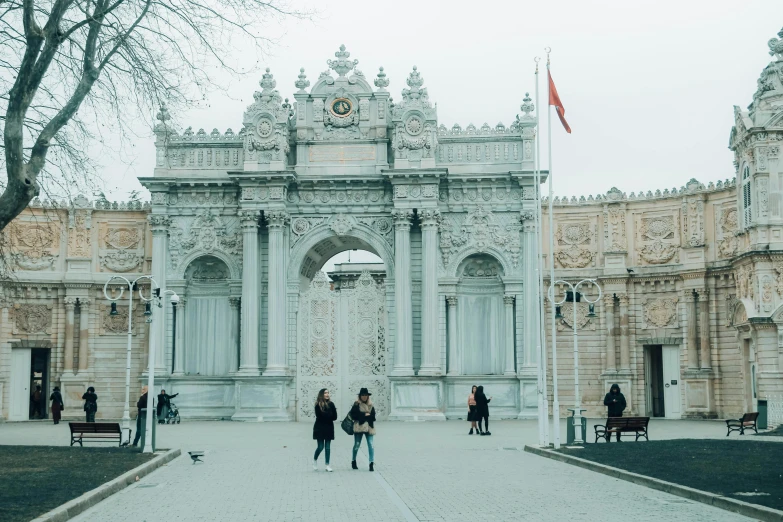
{"x":90,"y":403}
{"x":363,"y":415}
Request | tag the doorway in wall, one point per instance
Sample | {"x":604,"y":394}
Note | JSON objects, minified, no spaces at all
{"x":29,"y":371}
{"x":653,"y":373}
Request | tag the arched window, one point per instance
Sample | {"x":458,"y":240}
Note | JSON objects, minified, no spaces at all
{"x":747,"y":209}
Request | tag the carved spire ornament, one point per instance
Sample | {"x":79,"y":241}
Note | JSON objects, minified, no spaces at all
{"x":342,"y":65}
{"x":382,"y":81}
{"x":302,"y":83}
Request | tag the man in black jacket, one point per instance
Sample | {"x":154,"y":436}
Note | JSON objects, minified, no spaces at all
{"x":615,"y":403}
{"x":140,"y":405}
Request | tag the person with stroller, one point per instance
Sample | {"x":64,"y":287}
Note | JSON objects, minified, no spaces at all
{"x":90,"y":403}
{"x":164,"y":405}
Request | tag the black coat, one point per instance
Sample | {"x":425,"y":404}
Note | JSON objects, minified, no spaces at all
{"x":615,"y":403}
{"x":142,"y":402}
{"x":359,"y":416}
{"x":482,"y":404}
{"x":90,"y":401}
{"x":323,"y":428}
{"x":56,"y":398}
{"x":164,"y":399}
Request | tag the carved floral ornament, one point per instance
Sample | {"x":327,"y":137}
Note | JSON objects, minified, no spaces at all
{"x":657,"y":237}
{"x":660,"y":313}
{"x":32,"y":318}
{"x":583,"y":321}
{"x":744,"y":279}
{"x":33,"y":246}
{"x":574,"y":245}
{"x":207,"y":233}
{"x":480,"y":230}
{"x":728,"y":227}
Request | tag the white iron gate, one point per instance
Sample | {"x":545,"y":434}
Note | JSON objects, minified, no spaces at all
{"x":342,"y":344}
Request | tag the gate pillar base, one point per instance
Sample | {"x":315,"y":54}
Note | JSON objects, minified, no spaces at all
{"x":417,"y":399}
{"x":262,"y":399}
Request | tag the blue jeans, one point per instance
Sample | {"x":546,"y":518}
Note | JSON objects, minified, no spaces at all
{"x":321,"y":445}
{"x":357,"y":442}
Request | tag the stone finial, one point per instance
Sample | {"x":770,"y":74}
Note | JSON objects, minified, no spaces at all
{"x":342,"y":65}
{"x":163,"y":114}
{"x":268,"y":82}
{"x":776,"y":46}
{"x":527,"y":105}
{"x":415,"y":81}
{"x":381,"y":81}
{"x":302,"y":83}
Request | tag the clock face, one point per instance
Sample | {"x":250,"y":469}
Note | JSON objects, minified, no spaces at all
{"x":341,"y":107}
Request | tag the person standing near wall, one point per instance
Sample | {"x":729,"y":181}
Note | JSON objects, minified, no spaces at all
{"x":36,"y":400}
{"x":615,"y":404}
{"x":57,"y":404}
{"x":482,"y":410}
{"x":90,"y":404}
{"x":472,"y":415}
{"x":141,"y":404}
{"x":323,"y":428}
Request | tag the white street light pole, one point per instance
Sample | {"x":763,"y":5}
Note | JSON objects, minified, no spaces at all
{"x":155,"y":299}
{"x":130,"y":285}
{"x":575,"y":327}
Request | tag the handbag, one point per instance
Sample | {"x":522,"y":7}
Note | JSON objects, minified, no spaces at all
{"x":347,"y":424}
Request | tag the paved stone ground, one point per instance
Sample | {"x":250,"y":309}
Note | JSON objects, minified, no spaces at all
{"x":426,"y":472}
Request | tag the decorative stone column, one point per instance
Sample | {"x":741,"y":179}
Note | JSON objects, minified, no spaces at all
{"x":691,"y":332}
{"x":70,"y":304}
{"x":430,"y":340}
{"x":248,"y":361}
{"x":276,"y":356}
{"x":508,"y":301}
{"x":704,"y":329}
{"x":611,"y":354}
{"x":84,"y":333}
{"x":403,"y":352}
{"x":531,"y":327}
{"x":625,"y":341}
{"x":455,"y":367}
{"x":179,"y":336}
{"x":233,"y":332}
{"x":160,"y":226}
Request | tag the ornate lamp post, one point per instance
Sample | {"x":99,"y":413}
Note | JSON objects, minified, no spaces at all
{"x":131,"y":286}
{"x":574,"y":297}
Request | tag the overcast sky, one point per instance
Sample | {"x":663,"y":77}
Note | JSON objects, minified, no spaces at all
{"x":648,"y":86}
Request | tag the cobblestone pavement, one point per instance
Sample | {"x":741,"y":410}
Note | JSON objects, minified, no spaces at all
{"x":425,"y":471}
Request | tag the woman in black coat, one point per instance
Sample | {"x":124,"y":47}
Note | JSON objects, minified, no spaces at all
{"x":482,"y":410}
{"x":90,"y":404}
{"x":323,"y":428}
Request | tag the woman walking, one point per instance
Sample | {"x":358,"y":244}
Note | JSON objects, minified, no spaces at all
{"x":482,"y":410}
{"x":472,"y":411}
{"x":90,"y":404}
{"x":57,"y":404}
{"x":323,"y":429}
{"x":363,"y":415}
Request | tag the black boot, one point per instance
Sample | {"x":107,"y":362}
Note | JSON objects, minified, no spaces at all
{"x":471,"y":431}
{"x":371,"y":467}
{"x":353,"y":465}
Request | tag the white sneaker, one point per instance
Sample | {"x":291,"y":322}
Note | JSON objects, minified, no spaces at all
{"x":315,"y":465}
{"x":329,"y":469}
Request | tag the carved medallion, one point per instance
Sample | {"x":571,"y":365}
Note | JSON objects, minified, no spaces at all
{"x":32,"y":318}
{"x":265,"y":127}
{"x":341,"y":107}
{"x":660,"y":313}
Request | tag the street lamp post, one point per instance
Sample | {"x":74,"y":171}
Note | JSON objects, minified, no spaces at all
{"x":131,"y":286}
{"x":575,"y":327}
{"x":156,"y":300}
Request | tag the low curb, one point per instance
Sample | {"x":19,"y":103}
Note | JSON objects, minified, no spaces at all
{"x":729,"y":504}
{"x":82,"y":503}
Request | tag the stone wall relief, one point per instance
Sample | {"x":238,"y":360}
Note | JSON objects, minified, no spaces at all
{"x":657,"y":241}
{"x":767,"y":293}
{"x":416,"y":191}
{"x":118,"y":324}
{"x":727,"y":227}
{"x":329,"y":196}
{"x":34,"y":245}
{"x":465,"y":193}
{"x":693,"y":222}
{"x":762,"y":186}
{"x":583,"y":321}
{"x":478,"y":231}
{"x":341,"y":224}
{"x":614,"y":228}
{"x":32,"y":319}
{"x":744,"y":280}
{"x":659,"y":312}
{"x":575,"y":244}
{"x":208,"y":233}
{"x":80,"y":229}
{"x":121,"y":247}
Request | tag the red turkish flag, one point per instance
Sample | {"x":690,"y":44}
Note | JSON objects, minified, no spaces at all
{"x":554,"y":99}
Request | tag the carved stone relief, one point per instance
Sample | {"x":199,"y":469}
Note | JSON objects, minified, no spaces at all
{"x":32,"y":318}
{"x":744,"y":279}
{"x":659,"y":313}
{"x":206,"y":234}
{"x":121,"y":247}
{"x":34,"y":246}
{"x":727,"y":226}
{"x":614,"y":229}
{"x":574,"y":245}
{"x":118,"y":324}
{"x":767,"y":293}
{"x":657,"y":240}
{"x":693,"y":223}
{"x":80,"y":233}
{"x":480,"y":229}
{"x":583,"y":322}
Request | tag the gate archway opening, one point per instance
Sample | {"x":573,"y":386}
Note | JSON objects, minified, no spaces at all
{"x":342,"y":326}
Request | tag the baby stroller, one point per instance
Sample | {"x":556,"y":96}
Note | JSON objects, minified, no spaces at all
{"x":172,"y":416}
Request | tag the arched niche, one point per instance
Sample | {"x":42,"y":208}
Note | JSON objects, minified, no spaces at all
{"x":211,"y":323}
{"x":481,"y":318}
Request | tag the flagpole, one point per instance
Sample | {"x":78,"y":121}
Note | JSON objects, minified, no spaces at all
{"x":555,"y":399}
{"x":543,"y":402}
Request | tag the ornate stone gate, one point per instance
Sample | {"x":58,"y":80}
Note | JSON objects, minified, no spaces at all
{"x":342,"y":344}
